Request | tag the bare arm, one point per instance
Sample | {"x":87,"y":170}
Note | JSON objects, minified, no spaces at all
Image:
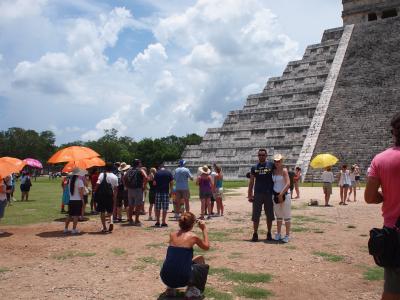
{"x":203,"y":243}
{"x":372,"y":195}
{"x":250,"y":189}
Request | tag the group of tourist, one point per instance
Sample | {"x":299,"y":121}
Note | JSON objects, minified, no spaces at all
{"x":125,"y":186}
{"x":348,"y":181}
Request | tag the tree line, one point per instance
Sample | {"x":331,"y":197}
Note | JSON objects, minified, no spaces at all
{"x":21,"y":143}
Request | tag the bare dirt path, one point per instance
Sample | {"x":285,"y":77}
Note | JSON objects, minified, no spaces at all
{"x":39,"y":262}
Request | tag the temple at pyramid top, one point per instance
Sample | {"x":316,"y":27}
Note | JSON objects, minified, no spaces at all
{"x":337,"y":99}
{"x":360,"y":11}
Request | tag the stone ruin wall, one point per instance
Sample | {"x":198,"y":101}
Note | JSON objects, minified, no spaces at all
{"x":366,"y":96}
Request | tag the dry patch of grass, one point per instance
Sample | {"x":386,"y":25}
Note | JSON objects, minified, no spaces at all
{"x":235,"y":276}
{"x":118,"y":251}
{"x":252,"y":292}
{"x":373,"y":274}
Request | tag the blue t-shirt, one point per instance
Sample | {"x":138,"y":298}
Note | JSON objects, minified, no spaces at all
{"x":181,"y":177}
{"x":163,"y":178}
{"x":263,"y":177}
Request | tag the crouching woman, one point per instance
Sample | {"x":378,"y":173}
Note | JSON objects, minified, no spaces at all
{"x":180,"y":268}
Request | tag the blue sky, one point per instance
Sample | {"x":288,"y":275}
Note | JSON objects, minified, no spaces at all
{"x":147,"y":68}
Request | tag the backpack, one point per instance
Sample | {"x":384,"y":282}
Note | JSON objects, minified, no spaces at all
{"x":105,"y":190}
{"x":134,"y":178}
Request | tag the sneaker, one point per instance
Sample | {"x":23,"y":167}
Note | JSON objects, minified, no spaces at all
{"x":269,"y":236}
{"x":286,"y":239}
{"x":278,"y":237}
{"x":157,"y":224}
{"x":75,"y":231}
{"x":255,"y":237}
{"x":192,"y":292}
{"x":131,"y":222}
{"x":208,"y":217}
{"x":111,"y":227}
{"x":138,"y":224}
{"x":150,"y":219}
{"x":164,"y":225}
{"x":66,"y":230}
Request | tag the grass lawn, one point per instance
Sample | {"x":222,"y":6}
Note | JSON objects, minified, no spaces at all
{"x":45,"y":201}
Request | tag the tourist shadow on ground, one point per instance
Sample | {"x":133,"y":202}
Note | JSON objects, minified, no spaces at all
{"x":57,"y":234}
{"x":6,"y":234}
{"x":263,"y":241}
{"x":84,"y":219}
{"x":179,"y":296}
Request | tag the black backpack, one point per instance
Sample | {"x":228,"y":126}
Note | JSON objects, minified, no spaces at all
{"x":134,"y":178}
{"x":105,"y":190}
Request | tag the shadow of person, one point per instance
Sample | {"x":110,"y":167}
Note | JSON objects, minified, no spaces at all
{"x":180,"y":295}
{"x":84,"y":219}
{"x":6,"y":234}
{"x":57,"y":234}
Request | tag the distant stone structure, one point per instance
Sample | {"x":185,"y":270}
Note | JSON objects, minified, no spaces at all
{"x":338,"y":99}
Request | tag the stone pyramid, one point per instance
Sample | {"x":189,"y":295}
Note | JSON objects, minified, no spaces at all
{"x":338,"y":99}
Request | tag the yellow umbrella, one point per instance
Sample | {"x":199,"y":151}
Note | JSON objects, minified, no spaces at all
{"x":323,"y":160}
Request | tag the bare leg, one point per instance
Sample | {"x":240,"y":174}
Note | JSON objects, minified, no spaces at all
{"x":74,"y":222}
{"x":255,"y":226}
{"x":129,"y":212}
{"x":27,"y":196}
{"x":199,"y":259}
{"x":150,"y":209}
{"x":355,"y":193}
{"x":157,"y":215}
{"x":287,"y":225}
{"x":345,"y":189}
{"x":203,"y":206}
{"x":164,"y":216}
{"x":341,"y":194}
{"x":67,"y":220}
{"x":103,"y":220}
{"x":279,"y":225}
{"x":187,"y":205}
{"x":350,"y":192}
{"x":137,"y":213}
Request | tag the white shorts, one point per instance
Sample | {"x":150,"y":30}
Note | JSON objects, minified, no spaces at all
{"x":283,"y":210}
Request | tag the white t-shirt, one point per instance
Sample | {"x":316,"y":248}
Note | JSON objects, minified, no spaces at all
{"x":78,"y":184}
{"x":327,"y":177}
{"x":111,"y":178}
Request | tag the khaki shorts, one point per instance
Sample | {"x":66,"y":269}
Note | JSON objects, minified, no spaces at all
{"x":182,"y":194}
{"x":327,"y":187}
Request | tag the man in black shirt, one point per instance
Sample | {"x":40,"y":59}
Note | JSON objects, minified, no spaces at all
{"x":260,"y":193}
{"x":164,"y":183}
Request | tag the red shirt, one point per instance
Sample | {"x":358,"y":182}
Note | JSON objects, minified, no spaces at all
{"x":386,"y":167}
{"x":93,"y":179}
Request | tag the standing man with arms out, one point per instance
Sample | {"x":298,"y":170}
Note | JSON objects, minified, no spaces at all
{"x":164,"y":183}
{"x":385,"y":173}
{"x":135,"y":180}
{"x":261,"y":182}
{"x":106,"y":196}
{"x":182,"y":175}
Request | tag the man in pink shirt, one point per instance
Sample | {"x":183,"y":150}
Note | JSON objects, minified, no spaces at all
{"x":385,"y":173}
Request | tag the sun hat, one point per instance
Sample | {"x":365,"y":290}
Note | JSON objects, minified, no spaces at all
{"x":123,"y":167}
{"x":78,"y":172}
{"x":204,"y":170}
{"x":278,"y":157}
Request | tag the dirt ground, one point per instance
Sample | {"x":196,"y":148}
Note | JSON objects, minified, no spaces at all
{"x":39,"y":262}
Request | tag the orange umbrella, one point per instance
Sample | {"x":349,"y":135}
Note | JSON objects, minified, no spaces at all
{"x":72,"y":153}
{"x":9,"y":165}
{"x":84,"y":164}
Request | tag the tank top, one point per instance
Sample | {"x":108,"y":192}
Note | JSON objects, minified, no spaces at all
{"x":279,"y":183}
{"x":205,"y":185}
